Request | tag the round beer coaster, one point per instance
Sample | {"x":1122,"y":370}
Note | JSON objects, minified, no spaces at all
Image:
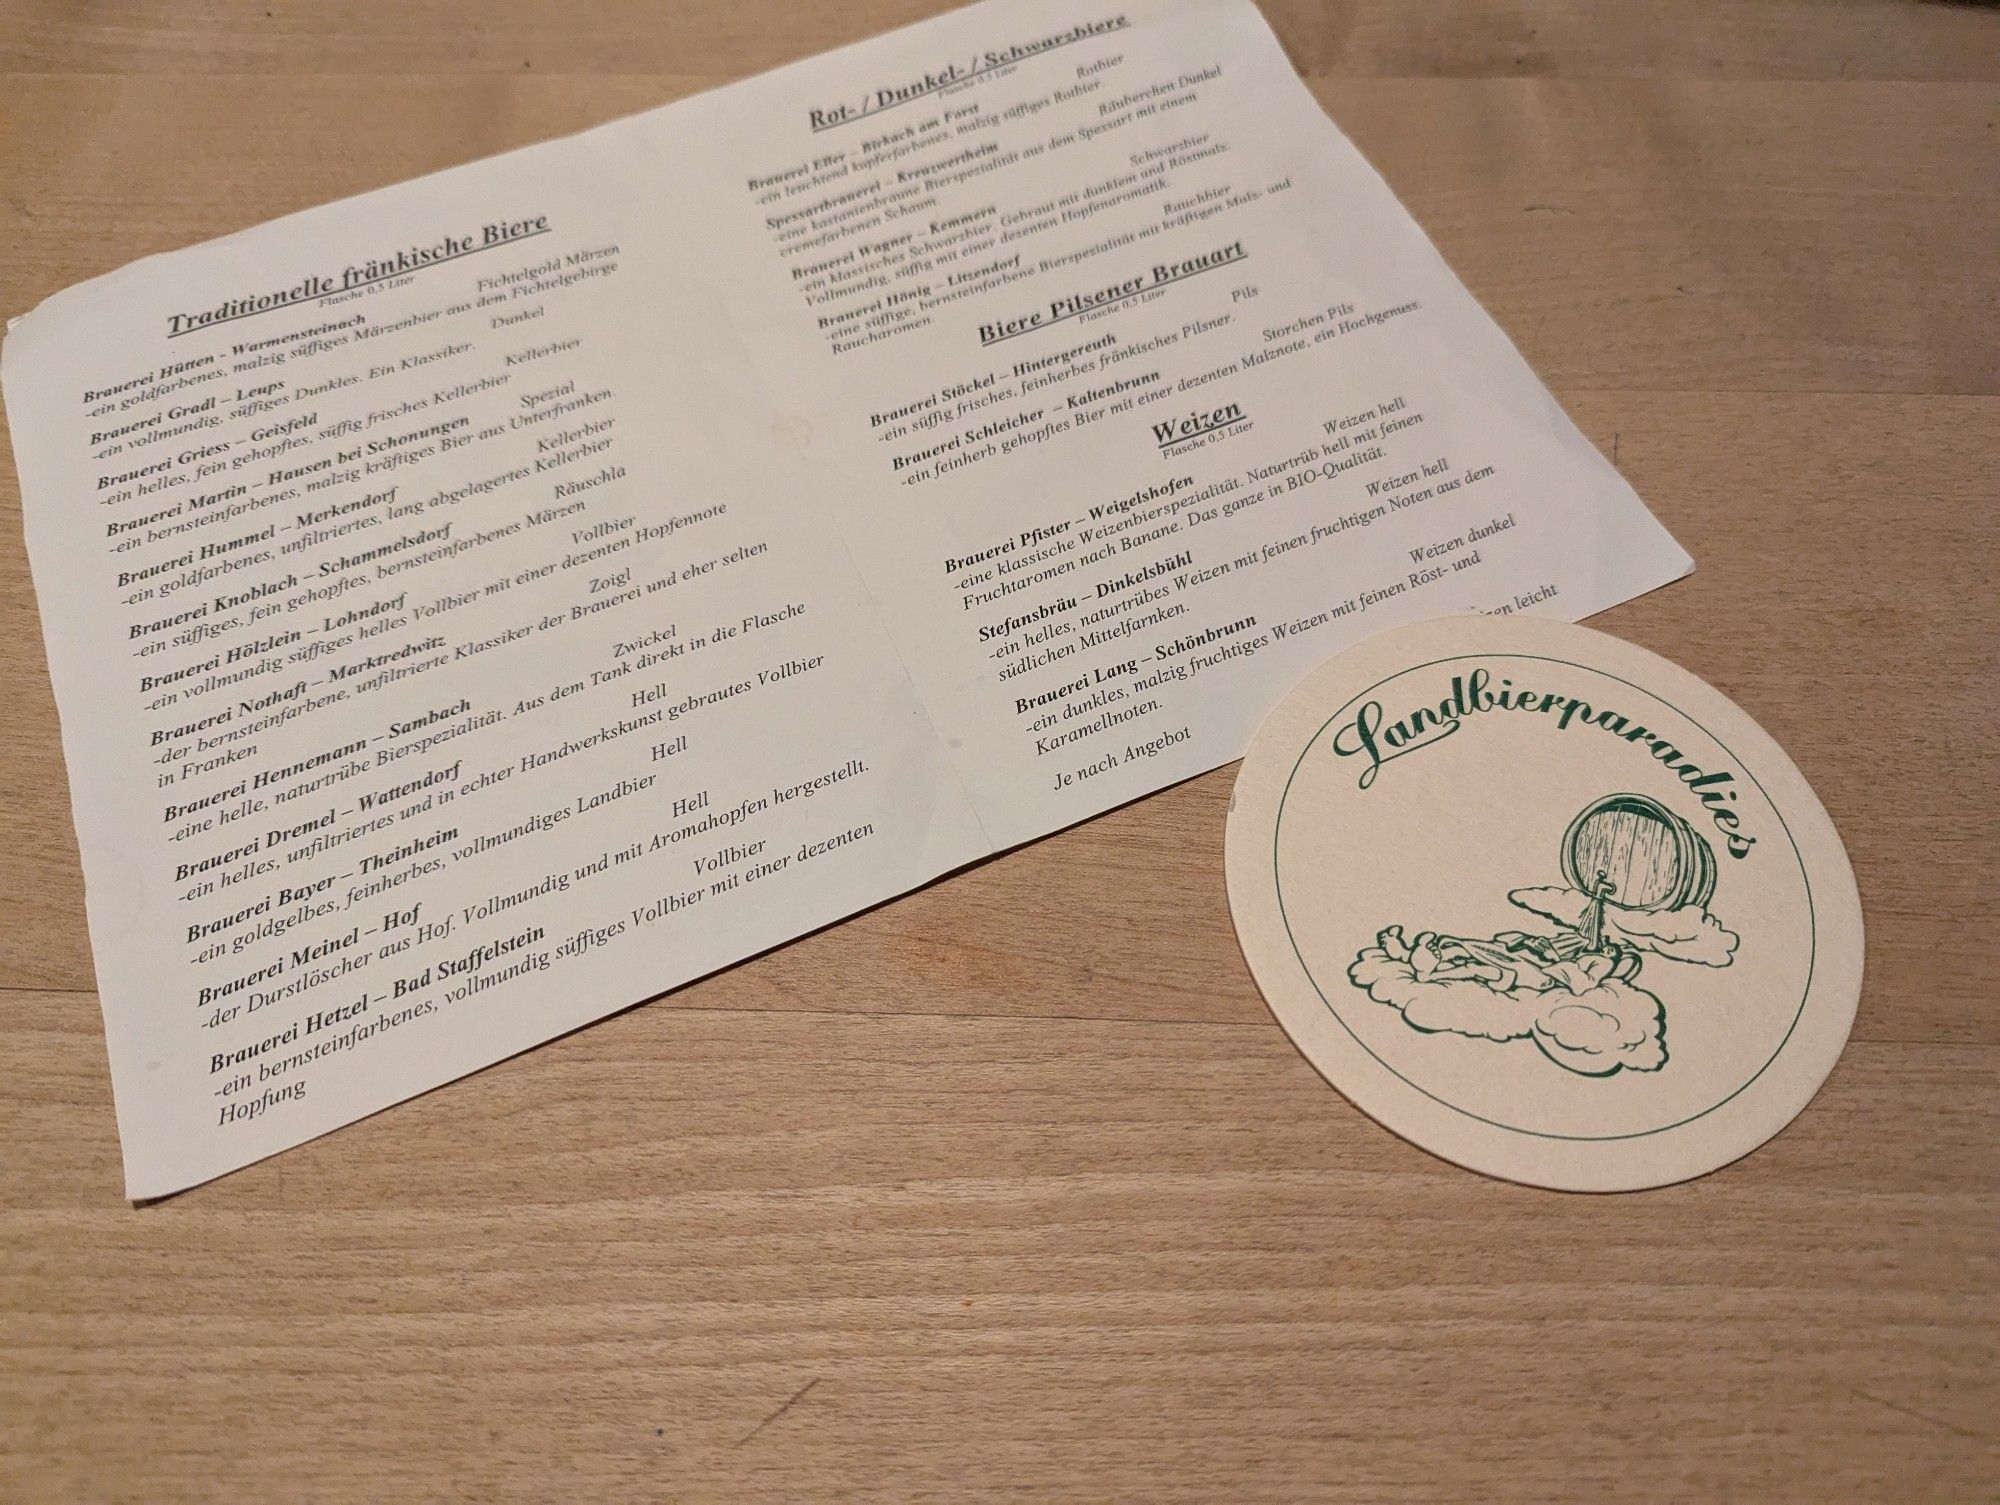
{"x":1543,"y":903}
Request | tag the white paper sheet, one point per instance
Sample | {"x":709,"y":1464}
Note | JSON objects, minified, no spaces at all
{"x":480,"y":605}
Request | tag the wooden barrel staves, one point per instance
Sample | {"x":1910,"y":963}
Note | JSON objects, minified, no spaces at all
{"x":1638,"y":854}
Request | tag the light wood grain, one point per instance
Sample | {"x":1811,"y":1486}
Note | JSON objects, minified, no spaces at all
{"x":1094,"y":1258}
{"x":1011,"y":1186}
{"x":1756,"y":39}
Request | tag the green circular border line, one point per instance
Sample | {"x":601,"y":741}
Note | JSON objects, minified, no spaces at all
{"x":1812,"y":922}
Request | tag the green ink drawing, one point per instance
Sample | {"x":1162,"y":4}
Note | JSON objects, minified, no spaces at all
{"x":1639,"y":879}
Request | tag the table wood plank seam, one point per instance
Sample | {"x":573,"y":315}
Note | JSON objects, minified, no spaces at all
{"x":1861,"y":1036}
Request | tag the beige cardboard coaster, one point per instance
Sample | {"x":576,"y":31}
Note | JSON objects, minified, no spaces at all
{"x":1543,"y":903}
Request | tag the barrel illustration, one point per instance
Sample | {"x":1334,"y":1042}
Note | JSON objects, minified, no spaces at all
{"x":1634,"y":853}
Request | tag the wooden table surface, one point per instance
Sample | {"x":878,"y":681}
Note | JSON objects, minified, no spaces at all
{"x":1013,"y":1186}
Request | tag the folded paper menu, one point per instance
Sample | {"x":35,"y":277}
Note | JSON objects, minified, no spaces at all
{"x":480,"y":605}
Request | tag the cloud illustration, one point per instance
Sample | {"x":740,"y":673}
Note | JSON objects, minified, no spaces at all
{"x":1460,"y":1006}
{"x":1583,"y":1020}
{"x":1613,"y":1027}
{"x":1687,"y":934}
